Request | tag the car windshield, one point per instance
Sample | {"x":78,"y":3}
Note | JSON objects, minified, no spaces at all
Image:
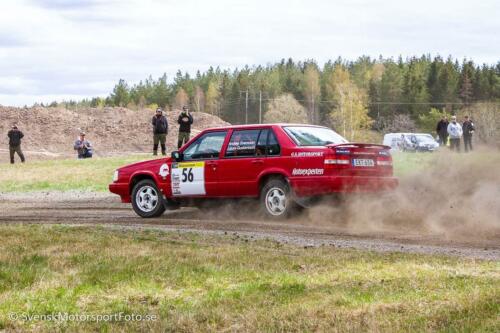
{"x":313,"y":136}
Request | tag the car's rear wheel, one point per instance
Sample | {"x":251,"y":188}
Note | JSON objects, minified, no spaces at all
{"x":147,"y":200}
{"x":276,"y":199}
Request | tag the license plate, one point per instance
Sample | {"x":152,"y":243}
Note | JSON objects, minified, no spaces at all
{"x":363,"y":162}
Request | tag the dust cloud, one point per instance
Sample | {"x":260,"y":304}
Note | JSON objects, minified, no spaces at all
{"x":456,"y":197}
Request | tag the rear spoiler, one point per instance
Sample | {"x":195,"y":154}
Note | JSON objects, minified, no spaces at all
{"x":358,"y":145}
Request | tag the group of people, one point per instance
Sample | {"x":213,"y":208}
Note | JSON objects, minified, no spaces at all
{"x":160,"y":129}
{"x":84,"y":148}
{"x":452,"y":132}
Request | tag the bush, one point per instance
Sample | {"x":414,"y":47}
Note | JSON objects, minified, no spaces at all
{"x":286,"y":109}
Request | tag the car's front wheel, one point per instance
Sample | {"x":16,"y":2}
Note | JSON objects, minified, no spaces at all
{"x":276,"y":199}
{"x":147,"y":200}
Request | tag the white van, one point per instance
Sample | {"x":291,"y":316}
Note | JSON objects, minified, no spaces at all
{"x":411,"y":142}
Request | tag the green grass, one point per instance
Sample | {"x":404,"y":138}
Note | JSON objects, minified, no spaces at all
{"x":213,"y":283}
{"x":62,"y":175}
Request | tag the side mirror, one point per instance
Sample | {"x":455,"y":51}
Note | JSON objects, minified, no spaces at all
{"x":177,"y":156}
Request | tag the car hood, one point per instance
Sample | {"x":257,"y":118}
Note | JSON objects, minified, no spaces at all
{"x":144,"y":165}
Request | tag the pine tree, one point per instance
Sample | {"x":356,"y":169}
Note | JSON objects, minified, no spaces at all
{"x":120,"y":95}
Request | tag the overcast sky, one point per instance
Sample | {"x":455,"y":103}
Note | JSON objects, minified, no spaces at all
{"x":56,"y":49}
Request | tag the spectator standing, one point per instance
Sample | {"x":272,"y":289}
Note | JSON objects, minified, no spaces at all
{"x":83,"y":147}
{"x":455,"y":132}
{"x":442,"y":130}
{"x":160,"y":131}
{"x":15,"y":136}
{"x":468,"y":130}
{"x":185,"y":121}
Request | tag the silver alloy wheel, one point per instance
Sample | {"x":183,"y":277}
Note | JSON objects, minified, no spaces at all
{"x":276,"y":201}
{"x":147,"y":198}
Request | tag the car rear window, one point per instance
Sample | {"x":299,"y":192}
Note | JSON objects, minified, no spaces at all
{"x":313,"y":136}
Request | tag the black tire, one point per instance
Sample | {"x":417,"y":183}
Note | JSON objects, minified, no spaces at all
{"x":147,"y":200}
{"x":276,"y":200}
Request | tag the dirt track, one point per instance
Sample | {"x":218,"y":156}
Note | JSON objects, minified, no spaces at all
{"x":102,"y":209}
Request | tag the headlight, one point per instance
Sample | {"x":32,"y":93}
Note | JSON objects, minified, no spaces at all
{"x":115,"y":176}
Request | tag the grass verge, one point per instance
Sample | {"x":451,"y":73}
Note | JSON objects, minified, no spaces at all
{"x":63,"y":175}
{"x":195,"y":282}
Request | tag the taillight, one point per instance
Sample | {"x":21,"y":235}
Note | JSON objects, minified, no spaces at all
{"x":336,"y":161}
{"x":384,"y":158}
{"x":384,"y":163}
{"x":341,"y":158}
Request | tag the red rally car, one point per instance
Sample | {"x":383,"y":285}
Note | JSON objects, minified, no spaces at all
{"x":281,"y":165}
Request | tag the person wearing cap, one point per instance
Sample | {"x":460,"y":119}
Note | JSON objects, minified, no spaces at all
{"x":468,"y":129}
{"x":455,"y":133}
{"x":160,"y":131}
{"x":83,"y":147}
{"x":185,"y":121}
{"x":15,"y":136}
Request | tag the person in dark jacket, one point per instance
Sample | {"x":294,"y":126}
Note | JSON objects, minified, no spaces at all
{"x":185,"y":121}
{"x":83,"y":147}
{"x":442,"y":131}
{"x":160,"y":131}
{"x":15,"y":136}
{"x":468,"y":129}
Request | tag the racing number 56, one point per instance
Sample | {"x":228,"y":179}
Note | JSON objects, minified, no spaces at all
{"x":187,"y":175}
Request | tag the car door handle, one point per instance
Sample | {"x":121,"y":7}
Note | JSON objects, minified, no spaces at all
{"x":212,"y":164}
{"x":257,"y":162}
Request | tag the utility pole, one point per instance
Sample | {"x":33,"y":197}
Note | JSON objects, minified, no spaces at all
{"x":260,"y":106}
{"x":246,"y":106}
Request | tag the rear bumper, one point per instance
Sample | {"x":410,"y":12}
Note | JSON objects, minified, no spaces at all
{"x":121,"y":189}
{"x":305,"y":186}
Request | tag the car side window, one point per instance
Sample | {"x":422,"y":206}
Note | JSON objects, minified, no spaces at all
{"x":242,"y":143}
{"x":273,"y":146}
{"x":207,"y":146}
{"x":261,"y":148}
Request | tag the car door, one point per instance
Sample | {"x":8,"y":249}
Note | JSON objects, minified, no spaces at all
{"x":197,"y":173}
{"x":242,"y":163}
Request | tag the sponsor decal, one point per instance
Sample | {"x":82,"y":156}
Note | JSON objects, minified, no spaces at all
{"x":342,"y":151}
{"x":307,"y":172}
{"x":307,"y":154}
{"x":164,"y":171}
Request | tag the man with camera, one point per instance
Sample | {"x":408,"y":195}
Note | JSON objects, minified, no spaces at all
{"x":185,"y":121}
{"x":83,"y":147}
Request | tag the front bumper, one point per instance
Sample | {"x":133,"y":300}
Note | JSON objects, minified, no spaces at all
{"x":305,"y":186}
{"x":121,"y":189}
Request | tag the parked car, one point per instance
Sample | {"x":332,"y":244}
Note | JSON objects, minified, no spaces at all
{"x":278,"y":164}
{"x":412,"y":142}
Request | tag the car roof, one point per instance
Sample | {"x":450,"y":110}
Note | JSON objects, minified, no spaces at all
{"x":251,"y":126}
{"x":394,"y":134}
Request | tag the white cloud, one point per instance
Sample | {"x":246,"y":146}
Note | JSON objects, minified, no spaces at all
{"x":51,"y":48}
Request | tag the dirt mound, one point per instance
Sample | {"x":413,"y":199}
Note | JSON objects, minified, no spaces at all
{"x":50,"y":132}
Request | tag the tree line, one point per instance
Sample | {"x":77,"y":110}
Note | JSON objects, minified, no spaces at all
{"x":349,"y":95}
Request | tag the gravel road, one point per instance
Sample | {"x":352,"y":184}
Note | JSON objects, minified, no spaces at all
{"x":80,"y":208}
